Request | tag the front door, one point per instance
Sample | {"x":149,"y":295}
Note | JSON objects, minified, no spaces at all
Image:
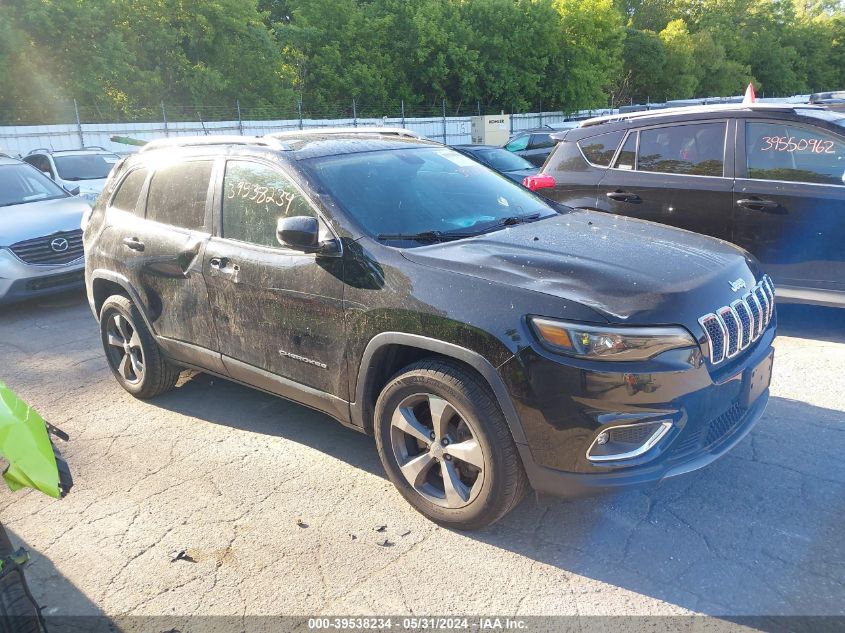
{"x":278,"y":312}
{"x":790,"y":203}
{"x":674,"y":174}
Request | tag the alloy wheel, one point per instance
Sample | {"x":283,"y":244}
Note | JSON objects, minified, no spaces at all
{"x":437,"y":450}
{"x":124,"y":349}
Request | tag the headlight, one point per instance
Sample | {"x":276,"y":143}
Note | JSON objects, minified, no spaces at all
{"x":609,"y":343}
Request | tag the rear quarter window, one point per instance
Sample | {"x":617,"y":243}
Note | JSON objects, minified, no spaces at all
{"x":126,"y":198}
{"x":599,"y":150}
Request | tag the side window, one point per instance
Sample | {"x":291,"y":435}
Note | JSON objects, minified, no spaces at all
{"x":627,"y":158}
{"x":540,"y":141}
{"x":785,"y":152}
{"x":255,"y":196}
{"x":599,"y":150}
{"x":518,"y":144}
{"x":697,"y":149}
{"x":178,"y":194}
{"x":126,"y":198}
{"x":40,"y":162}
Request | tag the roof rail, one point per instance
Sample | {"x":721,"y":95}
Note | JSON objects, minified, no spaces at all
{"x":39,"y":150}
{"x":715,"y":107}
{"x":200,"y":141}
{"x":364,"y":129}
{"x":95,"y":147}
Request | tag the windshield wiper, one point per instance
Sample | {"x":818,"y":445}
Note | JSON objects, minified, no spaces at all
{"x":424,"y":236}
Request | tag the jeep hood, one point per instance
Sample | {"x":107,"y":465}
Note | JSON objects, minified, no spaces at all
{"x":36,"y":219}
{"x":627,"y":270}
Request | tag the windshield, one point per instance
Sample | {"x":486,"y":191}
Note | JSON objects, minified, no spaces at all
{"x":503,"y":160}
{"x":85,"y":166}
{"x":415,"y":190}
{"x":23,"y":183}
{"x":837,"y":118}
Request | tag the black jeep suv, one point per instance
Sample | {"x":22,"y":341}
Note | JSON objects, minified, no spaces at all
{"x":488,"y":339}
{"x":768,"y":177}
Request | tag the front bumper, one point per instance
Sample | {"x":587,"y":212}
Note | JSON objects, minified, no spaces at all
{"x":563,"y":404}
{"x":20,"y":281}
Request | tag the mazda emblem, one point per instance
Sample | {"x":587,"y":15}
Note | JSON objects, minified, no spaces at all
{"x":59,"y":245}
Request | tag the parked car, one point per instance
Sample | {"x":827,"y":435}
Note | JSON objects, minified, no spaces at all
{"x":40,"y":236}
{"x":831,"y":100}
{"x":766,"y":177}
{"x":535,"y":145}
{"x":85,"y":168}
{"x":511,"y":165}
{"x":487,"y":339}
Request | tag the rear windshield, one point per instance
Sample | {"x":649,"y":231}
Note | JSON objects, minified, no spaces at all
{"x":422,"y":189}
{"x":20,"y":184}
{"x":85,"y":166}
{"x":503,"y":160}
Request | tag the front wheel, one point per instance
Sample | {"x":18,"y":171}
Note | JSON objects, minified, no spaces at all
{"x":446,"y":446}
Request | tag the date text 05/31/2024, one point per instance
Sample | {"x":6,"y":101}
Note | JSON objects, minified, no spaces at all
{"x":417,"y":624}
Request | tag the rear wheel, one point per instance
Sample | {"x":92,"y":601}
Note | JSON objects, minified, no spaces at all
{"x":133,"y":355}
{"x":446,"y":445}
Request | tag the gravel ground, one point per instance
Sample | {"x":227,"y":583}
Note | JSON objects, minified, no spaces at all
{"x":280,"y":510}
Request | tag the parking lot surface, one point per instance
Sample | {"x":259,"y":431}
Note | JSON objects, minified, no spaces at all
{"x":216,"y":499}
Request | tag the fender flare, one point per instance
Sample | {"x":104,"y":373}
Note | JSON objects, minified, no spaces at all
{"x":471,"y":358}
{"x":124,"y":283}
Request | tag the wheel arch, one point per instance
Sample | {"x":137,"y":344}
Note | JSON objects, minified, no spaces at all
{"x":105,"y":283}
{"x":388,"y":352}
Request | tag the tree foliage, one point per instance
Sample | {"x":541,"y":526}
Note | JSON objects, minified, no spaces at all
{"x":124,"y":57}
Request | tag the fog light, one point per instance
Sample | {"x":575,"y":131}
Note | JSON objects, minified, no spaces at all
{"x":627,"y":441}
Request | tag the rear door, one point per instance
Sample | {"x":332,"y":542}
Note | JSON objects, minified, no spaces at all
{"x":790,"y":203}
{"x":278,"y":312}
{"x":679,"y":174}
{"x":162,"y":254}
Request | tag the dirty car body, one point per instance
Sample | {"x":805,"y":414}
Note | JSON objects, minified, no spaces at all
{"x":589,"y":332}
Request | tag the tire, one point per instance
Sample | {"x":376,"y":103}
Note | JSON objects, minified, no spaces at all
{"x":436,"y":422}
{"x":139,"y":365}
{"x":19,"y":612}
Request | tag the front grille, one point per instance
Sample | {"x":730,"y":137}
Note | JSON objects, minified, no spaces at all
{"x":59,"y":248}
{"x":55,"y":281}
{"x":731,"y":329}
{"x":722,"y":425}
{"x":632,"y":434}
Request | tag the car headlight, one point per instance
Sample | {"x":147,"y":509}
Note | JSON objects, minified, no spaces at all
{"x":598,"y":342}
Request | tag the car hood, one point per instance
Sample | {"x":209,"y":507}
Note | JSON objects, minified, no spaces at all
{"x":90,"y":186}
{"x":34,"y":219}
{"x":627,"y":270}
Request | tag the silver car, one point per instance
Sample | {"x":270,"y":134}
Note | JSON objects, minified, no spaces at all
{"x":85,"y":168}
{"x":40,"y":234}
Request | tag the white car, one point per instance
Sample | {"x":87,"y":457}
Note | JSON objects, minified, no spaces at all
{"x":40,"y":236}
{"x":85,"y":168}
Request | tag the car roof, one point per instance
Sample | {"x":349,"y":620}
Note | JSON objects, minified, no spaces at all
{"x":684,"y":111}
{"x":8,"y":160}
{"x":303,"y":145}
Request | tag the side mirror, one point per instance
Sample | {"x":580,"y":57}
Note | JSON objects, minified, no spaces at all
{"x":299,"y":232}
{"x":74,"y":191}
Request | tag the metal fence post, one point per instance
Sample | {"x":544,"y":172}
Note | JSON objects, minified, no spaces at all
{"x":299,"y":108}
{"x":541,"y":113}
{"x":354,"y":114}
{"x":240,"y":122}
{"x":164,"y":118}
{"x":444,"y":121}
{"x":478,"y":107}
{"x":511,"y":121}
{"x":403,"y":112}
{"x":78,"y":124}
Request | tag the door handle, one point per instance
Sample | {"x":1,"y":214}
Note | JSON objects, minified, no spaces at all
{"x":134,"y":243}
{"x":623,"y":196}
{"x":757,"y":204}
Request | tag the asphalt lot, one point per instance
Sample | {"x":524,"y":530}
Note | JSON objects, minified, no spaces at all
{"x":278,"y":508}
